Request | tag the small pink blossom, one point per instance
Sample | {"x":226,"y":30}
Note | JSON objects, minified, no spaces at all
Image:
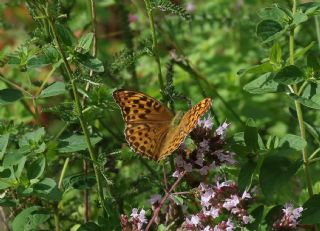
{"x":220,"y":131}
{"x":231,"y":202}
{"x":204,"y":170}
{"x":132,"y":18}
{"x":190,"y":7}
{"x":206,"y":123}
{"x":177,"y":174}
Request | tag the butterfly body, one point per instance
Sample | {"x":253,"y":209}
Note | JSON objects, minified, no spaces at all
{"x":151,"y":128}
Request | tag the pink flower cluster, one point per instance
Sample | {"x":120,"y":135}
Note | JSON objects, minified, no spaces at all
{"x":221,"y":200}
{"x":209,"y":153}
{"x":136,"y":222}
{"x":289,"y":220}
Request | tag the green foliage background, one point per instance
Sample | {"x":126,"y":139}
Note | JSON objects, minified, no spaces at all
{"x":220,"y":48}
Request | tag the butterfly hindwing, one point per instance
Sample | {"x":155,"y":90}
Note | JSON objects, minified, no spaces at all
{"x":187,"y":123}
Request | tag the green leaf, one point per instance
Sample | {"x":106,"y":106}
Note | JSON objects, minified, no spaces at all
{"x":9,"y":202}
{"x":14,"y":157}
{"x":313,"y":102}
{"x":8,"y":178}
{"x":251,"y":135}
{"x":80,"y":182}
{"x":38,"y":61}
{"x":299,"y":18}
{"x":75,"y":143}
{"x":65,"y":34}
{"x":257,"y":214}
{"x":245,"y":175}
{"x":311,"y":211}
{"x":257,"y":69}
{"x":273,"y":13}
{"x":263,"y":84}
{"x":178,"y":199}
{"x":92,"y":63}
{"x":267,"y":29}
{"x":301,"y":52}
{"x":4,"y":139}
{"x":35,"y":136}
{"x":293,"y":142}
{"x":89,"y":226}
{"x":56,"y":88}
{"x":30,"y":218}
{"x":310,"y":8}
{"x":289,"y":75}
{"x":36,"y":168}
{"x":276,"y":171}
{"x":8,"y":96}
{"x":275,"y":211}
{"x":84,"y":43}
{"x":47,"y":189}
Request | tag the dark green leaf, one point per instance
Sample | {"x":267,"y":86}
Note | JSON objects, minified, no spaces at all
{"x":275,"y":172}
{"x":289,"y":75}
{"x":65,"y":34}
{"x":313,"y":102}
{"x":267,"y":29}
{"x":38,"y":61}
{"x":245,"y":175}
{"x":92,"y":63}
{"x":90,"y":226}
{"x":79,"y":182}
{"x":47,"y":189}
{"x":8,"y":202}
{"x":75,"y":143}
{"x":30,"y":218}
{"x":257,"y":69}
{"x":56,"y":88}
{"x":8,"y":96}
{"x":36,"y":168}
{"x":311,"y":211}
{"x":257,"y":214}
{"x":251,"y":135}
{"x":4,"y":139}
{"x":263,"y":84}
{"x":8,"y":178}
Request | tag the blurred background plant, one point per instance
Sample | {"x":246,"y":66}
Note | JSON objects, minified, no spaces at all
{"x":64,"y":164}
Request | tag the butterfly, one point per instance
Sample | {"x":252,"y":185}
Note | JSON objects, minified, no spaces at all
{"x":149,"y":125}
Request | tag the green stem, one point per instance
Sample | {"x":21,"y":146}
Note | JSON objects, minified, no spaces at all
{"x":316,"y":19}
{"x":154,"y":42}
{"x":299,"y":112}
{"x":79,"y":111}
{"x":314,"y":154}
{"x":63,"y":172}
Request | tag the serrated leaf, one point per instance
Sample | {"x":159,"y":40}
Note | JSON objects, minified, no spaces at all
{"x":30,"y":218}
{"x":289,"y":75}
{"x":293,"y":142}
{"x":267,"y":29}
{"x":8,"y":96}
{"x":75,"y":143}
{"x":56,"y":88}
{"x":92,"y":63}
{"x":263,"y":84}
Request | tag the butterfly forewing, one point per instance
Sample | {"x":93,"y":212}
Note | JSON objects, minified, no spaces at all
{"x":147,"y":121}
{"x":188,"y":122}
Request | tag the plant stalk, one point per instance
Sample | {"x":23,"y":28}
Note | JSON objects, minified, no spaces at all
{"x":154,"y":42}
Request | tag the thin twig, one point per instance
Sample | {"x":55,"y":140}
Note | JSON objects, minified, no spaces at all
{"x":157,"y":210}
